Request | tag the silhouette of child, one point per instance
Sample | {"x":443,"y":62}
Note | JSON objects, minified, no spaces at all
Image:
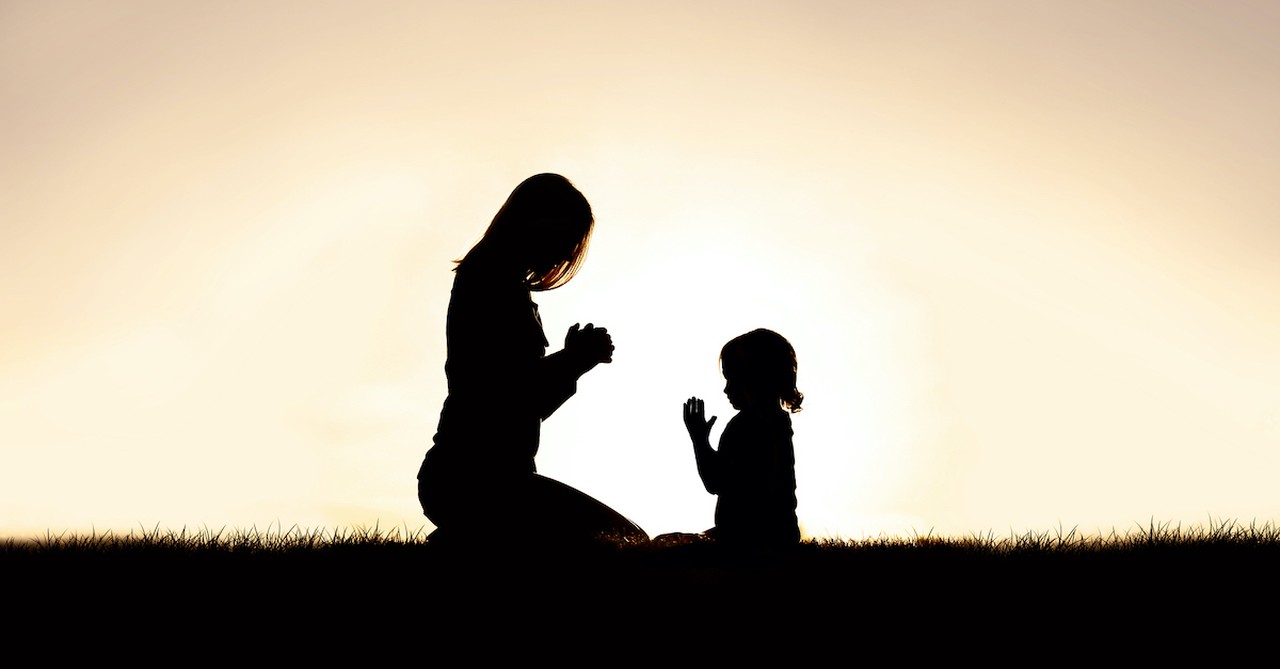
{"x":753,"y":472}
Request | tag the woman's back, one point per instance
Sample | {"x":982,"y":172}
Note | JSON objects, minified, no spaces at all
{"x":494,"y":343}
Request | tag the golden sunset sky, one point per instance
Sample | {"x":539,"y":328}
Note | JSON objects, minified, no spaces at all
{"x":1028,"y":253}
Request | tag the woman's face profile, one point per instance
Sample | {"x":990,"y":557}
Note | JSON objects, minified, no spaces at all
{"x":551,"y":245}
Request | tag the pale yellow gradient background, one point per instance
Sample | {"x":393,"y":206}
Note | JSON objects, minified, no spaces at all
{"x":1026,"y":252}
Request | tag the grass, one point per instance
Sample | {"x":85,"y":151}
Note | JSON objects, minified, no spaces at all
{"x":205,"y":540}
{"x":1221,"y":546}
{"x":1163,"y":539}
{"x":249,"y":579}
{"x":301,"y":592}
{"x":1167,"y":536}
{"x":275,"y":539}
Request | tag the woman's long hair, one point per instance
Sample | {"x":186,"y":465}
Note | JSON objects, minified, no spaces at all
{"x":542,"y":231}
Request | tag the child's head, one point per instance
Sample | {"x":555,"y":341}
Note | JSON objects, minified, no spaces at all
{"x":760,"y":371}
{"x":542,"y":232}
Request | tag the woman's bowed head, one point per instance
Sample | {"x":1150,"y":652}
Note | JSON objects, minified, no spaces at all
{"x":541,"y":233}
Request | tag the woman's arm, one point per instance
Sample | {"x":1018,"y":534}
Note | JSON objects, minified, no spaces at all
{"x":496,"y":349}
{"x":700,"y":433}
{"x":583,"y":349}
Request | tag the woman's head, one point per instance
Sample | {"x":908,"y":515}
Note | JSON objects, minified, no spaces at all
{"x":541,"y":233}
{"x":760,"y":370}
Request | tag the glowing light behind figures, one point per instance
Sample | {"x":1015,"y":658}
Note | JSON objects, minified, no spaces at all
{"x":1023,"y":252}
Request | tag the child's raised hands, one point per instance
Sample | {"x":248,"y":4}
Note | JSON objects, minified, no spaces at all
{"x":695,"y":414}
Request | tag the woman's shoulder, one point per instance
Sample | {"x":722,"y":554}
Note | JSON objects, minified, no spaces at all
{"x":468,"y":283}
{"x":469,"y":275}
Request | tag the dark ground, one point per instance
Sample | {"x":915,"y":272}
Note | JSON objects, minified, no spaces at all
{"x":917,"y":596}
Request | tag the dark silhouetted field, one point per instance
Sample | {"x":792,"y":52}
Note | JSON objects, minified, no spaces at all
{"x":1057,"y":584}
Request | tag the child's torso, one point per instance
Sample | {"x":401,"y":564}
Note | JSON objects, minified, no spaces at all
{"x":757,"y":500}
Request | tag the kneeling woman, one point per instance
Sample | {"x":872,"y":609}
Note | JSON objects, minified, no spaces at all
{"x":479,"y":479}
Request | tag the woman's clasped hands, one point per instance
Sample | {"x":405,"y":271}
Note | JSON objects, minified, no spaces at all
{"x":590,"y":344}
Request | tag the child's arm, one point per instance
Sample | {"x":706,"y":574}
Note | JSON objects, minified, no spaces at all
{"x":700,"y":433}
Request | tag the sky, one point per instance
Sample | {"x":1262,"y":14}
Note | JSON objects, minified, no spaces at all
{"x":1025,"y":252}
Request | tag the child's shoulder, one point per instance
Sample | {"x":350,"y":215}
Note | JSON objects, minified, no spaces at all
{"x":761,"y":422}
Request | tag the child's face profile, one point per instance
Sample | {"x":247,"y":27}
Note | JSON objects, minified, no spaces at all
{"x":734,"y":392}
{"x":742,"y":393}
{"x":759,"y":372}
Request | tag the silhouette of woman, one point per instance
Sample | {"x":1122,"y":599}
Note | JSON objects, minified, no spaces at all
{"x":479,"y":480}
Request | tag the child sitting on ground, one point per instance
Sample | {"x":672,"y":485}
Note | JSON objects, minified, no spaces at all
{"x":753,"y":471}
